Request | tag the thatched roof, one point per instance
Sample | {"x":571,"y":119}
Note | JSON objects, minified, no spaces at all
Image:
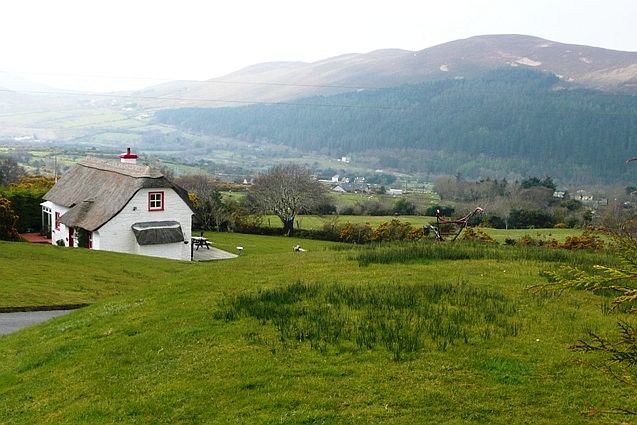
{"x":97,"y":190}
{"x":157,"y":232}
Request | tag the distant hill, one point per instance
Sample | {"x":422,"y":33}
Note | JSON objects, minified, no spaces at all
{"x":580,"y":66}
{"x":16,"y":83}
{"x":19,"y":94}
{"x":507,"y":122}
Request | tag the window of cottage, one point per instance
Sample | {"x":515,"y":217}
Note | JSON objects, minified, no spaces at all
{"x":156,"y":201}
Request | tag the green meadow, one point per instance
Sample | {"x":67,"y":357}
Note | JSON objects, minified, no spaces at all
{"x":317,"y":222}
{"x":338,"y":334}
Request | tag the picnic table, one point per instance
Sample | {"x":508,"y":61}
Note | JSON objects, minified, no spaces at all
{"x":199,"y":241}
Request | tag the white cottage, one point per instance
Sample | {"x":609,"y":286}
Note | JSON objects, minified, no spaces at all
{"x":121,"y":207}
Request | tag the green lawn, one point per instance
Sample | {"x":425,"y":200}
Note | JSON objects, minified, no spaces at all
{"x":152,"y":348}
{"x":43,"y":275}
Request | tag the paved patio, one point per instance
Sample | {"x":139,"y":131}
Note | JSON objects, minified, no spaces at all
{"x":204,"y":254}
{"x":201,"y":254}
{"x":35,"y":238}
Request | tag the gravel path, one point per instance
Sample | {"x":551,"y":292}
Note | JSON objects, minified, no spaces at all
{"x":11,"y":322}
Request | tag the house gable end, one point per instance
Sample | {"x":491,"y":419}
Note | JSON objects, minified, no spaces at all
{"x":108,"y":187}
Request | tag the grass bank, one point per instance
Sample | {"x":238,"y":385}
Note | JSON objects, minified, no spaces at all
{"x":160,"y":343}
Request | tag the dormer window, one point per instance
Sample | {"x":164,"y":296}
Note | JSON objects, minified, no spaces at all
{"x":155,"y":201}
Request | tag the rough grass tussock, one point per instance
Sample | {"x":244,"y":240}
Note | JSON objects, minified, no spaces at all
{"x":425,"y":251}
{"x":402,"y":318}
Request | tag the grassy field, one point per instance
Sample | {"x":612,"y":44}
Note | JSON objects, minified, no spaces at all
{"x":315,"y":222}
{"x":215,"y":342}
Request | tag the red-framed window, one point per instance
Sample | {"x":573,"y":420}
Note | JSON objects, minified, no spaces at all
{"x":155,"y":201}
{"x":57,"y":220}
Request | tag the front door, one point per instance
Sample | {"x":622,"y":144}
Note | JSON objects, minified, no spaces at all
{"x":71,"y":232}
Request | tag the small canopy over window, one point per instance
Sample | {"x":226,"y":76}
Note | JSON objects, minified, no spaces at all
{"x":157,"y":232}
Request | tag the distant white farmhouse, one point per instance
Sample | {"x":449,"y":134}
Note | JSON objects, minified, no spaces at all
{"x":351,"y":188}
{"x":122,"y":207}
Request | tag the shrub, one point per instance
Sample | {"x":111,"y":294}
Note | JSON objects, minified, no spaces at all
{"x":25,"y":202}
{"x":393,"y":230}
{"x":375,"y":208}
{"x":493,"y":220}
{"x":349,"y":210}
{"x":8,"y":220}
{"x":325,"y":208}
{"x":572,"y":222}
{"x":356,"y":233}
{"x":404,"y":207}
{"x":527,"y":240}
{"x":247,"y":222}
{"x":585,"y":241}
{"x":526,"y":219}
{"x":26,"y":197}
{"x":478,"y":235}
{"x":510,"y":242}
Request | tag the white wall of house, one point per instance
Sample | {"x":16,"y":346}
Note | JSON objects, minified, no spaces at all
{"x":117,"y":235}
{"x":173,"y":251}
{"x":96,"y":240}
{"x":62,"y":232}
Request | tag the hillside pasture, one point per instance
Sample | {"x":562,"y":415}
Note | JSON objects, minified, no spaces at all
{"x":276,"y":336}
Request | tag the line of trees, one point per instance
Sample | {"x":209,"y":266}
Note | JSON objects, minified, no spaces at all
{"x":529,"y":203}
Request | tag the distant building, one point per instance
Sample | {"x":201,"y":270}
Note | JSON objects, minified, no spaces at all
{"x":352,"y":188}
{"x":583,"y":196}
{"x":395,"y":192}
{"x":559,"y":194}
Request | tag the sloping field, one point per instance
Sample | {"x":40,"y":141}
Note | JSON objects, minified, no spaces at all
{"x":277,"y":336}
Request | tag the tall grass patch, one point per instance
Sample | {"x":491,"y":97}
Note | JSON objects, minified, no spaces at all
{"x":403,"y":319}
{"x":428,"y":251}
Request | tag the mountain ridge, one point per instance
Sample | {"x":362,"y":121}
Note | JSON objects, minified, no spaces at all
{"x":576,"y":65}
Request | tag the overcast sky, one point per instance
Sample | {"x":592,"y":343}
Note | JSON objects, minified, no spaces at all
{"x":70,"y":43}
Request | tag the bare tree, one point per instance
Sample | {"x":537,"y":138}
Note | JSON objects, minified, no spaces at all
{"x":10,"y":171}
{"x":285,"y":190}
